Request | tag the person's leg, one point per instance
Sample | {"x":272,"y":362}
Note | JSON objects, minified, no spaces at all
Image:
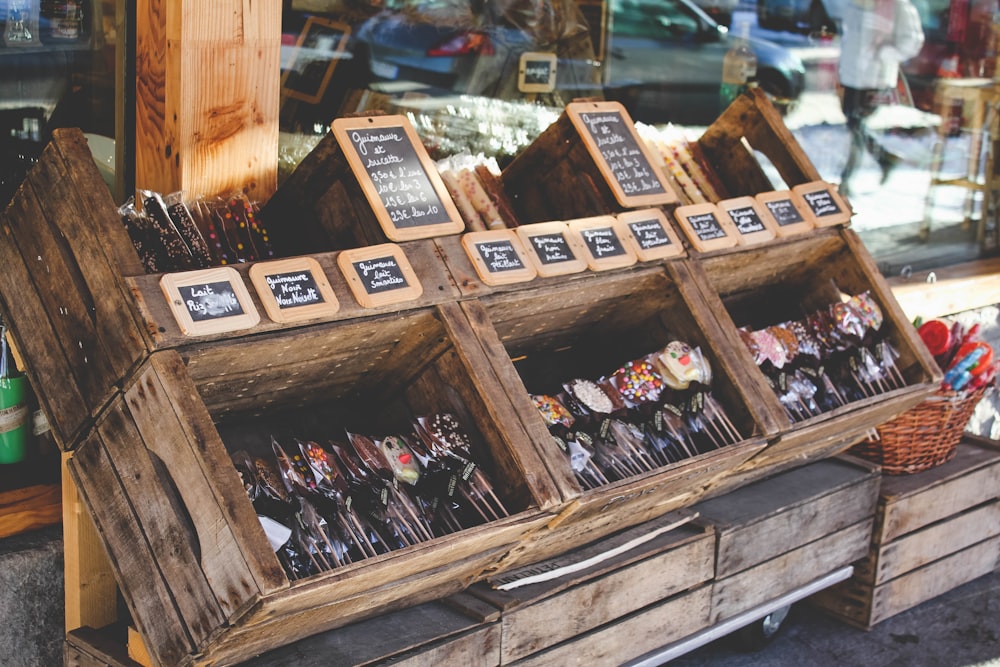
{"x":857,"y":105}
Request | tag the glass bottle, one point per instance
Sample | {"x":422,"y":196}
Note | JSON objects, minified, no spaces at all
{"x":739,"y":67}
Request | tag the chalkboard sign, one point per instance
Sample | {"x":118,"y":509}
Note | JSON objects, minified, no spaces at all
{"x":401,"y":183}
{"x":600,"y":242}
{"x":318,"y":49}
{"x":293,"y":290}
{"x":379,"y":275}
{"x":790,"y":212}
{"x":537,"y":72}
{"x":549,"y":249}
{"x":627,"y":165}
{"x":650,"y":235}
{"x":752,"y":222}
{"x":706,"y":226}
{"x":498,"y":257}
{"x":209,"y":301}
{"x":824,"y":203}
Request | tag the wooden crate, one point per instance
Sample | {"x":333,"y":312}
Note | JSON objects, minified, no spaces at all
{"x":787,"y":280}
{"x":934,"y":530}
{"x":779,"y":534}
{"x":587,"y":328}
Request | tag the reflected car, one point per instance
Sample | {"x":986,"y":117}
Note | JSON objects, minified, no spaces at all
{"x":803,"y":16}
{"x":661,"y":58}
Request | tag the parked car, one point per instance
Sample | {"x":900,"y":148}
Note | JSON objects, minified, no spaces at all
{"x":662,"y":58}
{"x":807,"y":16}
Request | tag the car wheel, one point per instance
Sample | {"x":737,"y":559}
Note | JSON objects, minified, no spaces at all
{"x":760,"y":633}
{"x":777,"y":88}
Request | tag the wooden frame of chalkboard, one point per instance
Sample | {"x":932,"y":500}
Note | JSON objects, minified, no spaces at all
{"x":752,"y":222}
{"x":379,"y":275}
{"x":706,"y":227}
{"x":621,"y":155}
{"x":549,"y":247}
{"x":293,"y":289}
{"x":314,"y":31}
{"x":601,"y":241}
{"x":650,"y":234}
{"x":209,"y":301}
{"x":536,"y":72}
{"x":824,"y":202}
{"x":402,"y":185}
{"x":498,"y":257}
{"x":789,"y":210}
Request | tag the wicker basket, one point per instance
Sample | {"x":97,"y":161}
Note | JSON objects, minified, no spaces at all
{"x":924,"y":436}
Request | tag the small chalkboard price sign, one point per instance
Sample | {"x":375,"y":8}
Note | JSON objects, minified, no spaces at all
{"x":824,"y":202}
{"x":293,"y":290}
{"x":498,"y":257}
{"x":537,"y":72}
{"x":209,"y":301}
{"x":549,"y":248}
{"x":601,"y":241}
{"x":650,"y":235}
{"x":399,"y":179}
{"x":379,"y":275}
{"x":706,"y":226}
{"x":622,"y":157}
{"x":752,"y":222}
{"x":789,"y":210}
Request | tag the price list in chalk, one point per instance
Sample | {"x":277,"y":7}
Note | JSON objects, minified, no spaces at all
{"x":552,"y":248}
{"x":210,"y":301}
{"x":398,"y":176}
{"x":499,"y":256}
{"x":381,"y":274}
{"x":620,"y":151}
{"x":292,"y":290}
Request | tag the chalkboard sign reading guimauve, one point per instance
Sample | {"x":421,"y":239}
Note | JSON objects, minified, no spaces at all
{"x":599,"y":241}
{"x":549,"y":249}
{"x":752,"y":222}
{"x":824,"y":202}
{"x":209,"y":301}
{"x":620,"y":154}
{"x":399,"y":180}
{"x":498,"y":257}
{"x":789,"y":211}
{"x":705,"y":226}
{"x":650,"y":235}
{"x":293,"y":290}
{"x":379,"y":275}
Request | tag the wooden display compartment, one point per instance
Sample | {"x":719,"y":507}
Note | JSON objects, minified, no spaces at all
{"x":788,"y":280}
{"x":192,"y":561}
{"x":588,"y":328}
{"x":934,"y":530}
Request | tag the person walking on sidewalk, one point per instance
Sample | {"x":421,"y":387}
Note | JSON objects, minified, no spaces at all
{"x":877,"y":36}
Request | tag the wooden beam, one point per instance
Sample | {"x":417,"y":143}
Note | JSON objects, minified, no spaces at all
{"x":207,"y":96}
{"x":951,"y":289}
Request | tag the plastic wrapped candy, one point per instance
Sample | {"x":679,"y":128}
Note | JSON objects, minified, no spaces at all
{"x":593,"y":396}
{"x":849,"y":324}
{"x":553,"y":411}
{"x":638,"y":382}
{"x":770,"y":349}
{"x":871,"y":314}
{"x":680,"y":365}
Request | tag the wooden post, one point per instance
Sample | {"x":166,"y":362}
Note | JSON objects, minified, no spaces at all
{"x":207,"y":93}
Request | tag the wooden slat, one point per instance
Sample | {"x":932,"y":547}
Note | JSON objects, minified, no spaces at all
{"x":89,"y":647}
{"x":948,"y":290}
{"x":29,"y":508}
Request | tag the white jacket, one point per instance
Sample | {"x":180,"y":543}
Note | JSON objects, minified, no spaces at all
{"x":877,"y":36}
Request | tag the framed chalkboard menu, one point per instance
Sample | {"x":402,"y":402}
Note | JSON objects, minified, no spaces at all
{"x":549,"y":249}
{"x":318,"y":49}
{"x":498,"y":257}
{"x":622,"y":157}
{"x":650,"y":235}
{"x":789,"y":210}
{"x":399,"y":179}
{"x":209,"y":301}
{"x":824,"y":202}
{"x":751,"y":221}
{"x":536,"y":72}
{"x":601,"y":241}
{"x":706,"y":226}
{"x":379,"y":275}
{"x":292,"y":290}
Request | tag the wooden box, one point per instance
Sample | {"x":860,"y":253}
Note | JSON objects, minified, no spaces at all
{"x":587,"y":328}
{"x":791,"y":280}
{"x":783,"y":532}
{"x":625,"y":603}
{"x":934,"y":530}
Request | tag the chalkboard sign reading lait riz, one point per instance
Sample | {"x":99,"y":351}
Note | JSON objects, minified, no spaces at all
{"x":293,"y":290}
{"x":789,"y":211}
{"x":498,"y":257}
{"x":650,"y":235}
{"x":379,"y":275}
{"x":399,"y":180}
{"x":549,"y":248}
{"x":620,"y":154}
{"x":706,"y":227}
{"x":209,"y":301}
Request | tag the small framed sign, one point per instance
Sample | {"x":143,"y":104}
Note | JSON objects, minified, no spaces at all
{"x":399,"y":180}
{"x":498,"y":256}
{"x":379,"y":275}
{"x":751,"y":220}
{"x":627,"y":164}
{"x":789,"y":211}
{"x":209,"y":301}
{"x":536,"y":72}
{"x":293,"y":290}
{"x":824,"y":202}
{"x":650,"y":235}
{"x":549,"y":248}
{"x":706,"y":227}
{"x":601,"y":241}
{"x":319,"y":48}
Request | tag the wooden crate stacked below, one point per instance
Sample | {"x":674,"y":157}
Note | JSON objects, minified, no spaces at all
{"x":934,"y":531}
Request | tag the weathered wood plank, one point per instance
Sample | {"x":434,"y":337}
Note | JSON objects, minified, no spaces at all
{"x":87,"y":647}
